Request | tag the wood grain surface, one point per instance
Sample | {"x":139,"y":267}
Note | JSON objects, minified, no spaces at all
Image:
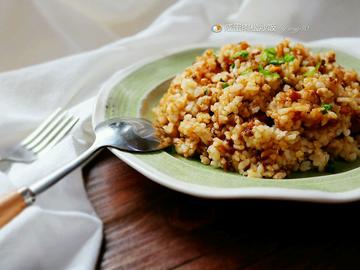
{"x":147,"y":226}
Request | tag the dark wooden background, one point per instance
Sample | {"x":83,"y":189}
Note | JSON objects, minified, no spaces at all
{"x":147,"y":226}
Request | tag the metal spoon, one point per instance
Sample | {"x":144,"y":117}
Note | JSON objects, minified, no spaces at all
{"x":129,"y":134}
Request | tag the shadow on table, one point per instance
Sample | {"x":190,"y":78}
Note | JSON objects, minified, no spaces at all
{"x":265,"y":234}
{"x":148,"y":226}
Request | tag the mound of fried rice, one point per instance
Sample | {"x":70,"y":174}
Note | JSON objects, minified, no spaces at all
{"x":263,"y":112}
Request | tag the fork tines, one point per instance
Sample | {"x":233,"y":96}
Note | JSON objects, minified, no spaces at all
{"x":50,"y":132}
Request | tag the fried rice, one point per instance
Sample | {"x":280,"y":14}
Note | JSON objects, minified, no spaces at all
{"x":263,"y":112}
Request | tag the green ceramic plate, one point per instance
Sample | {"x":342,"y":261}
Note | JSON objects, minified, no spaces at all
{"x":128,"y":93}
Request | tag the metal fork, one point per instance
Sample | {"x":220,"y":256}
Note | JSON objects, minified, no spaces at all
{"x":49,"y":133}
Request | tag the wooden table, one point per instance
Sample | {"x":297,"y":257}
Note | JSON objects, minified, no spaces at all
{"x":147,"y":226}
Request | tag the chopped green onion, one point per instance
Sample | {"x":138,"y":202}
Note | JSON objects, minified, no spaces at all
{"x":206,"y":92}
{"x":325,"y":108}
{"x":270,"y":51}
{"x":312,"y":70}
{"x":224,"y":85}
{"x":268,"y":54}
{"x":264,"y":57}
{"x":274,"y":75}
{"x":276,"y":61}
{"x":242,"y":54}
{"x":289,"y":58}
{"x":268,"y":73}
{"x":232,"y":65}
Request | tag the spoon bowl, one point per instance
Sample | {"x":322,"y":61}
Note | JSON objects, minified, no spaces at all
{"x":128,"y":134}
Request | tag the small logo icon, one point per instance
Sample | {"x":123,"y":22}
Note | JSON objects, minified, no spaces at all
{"x":216,"y":28}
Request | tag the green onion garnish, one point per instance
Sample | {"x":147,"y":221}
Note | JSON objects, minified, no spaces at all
{"x":242,"y":54}
{"x":276,"y":61}
{"x":289,"y":58}
{"x":325,"y":108}
{"x":312,"y":70}
{"x":270,"y":51}
{"x":268,"y":73}
{"x":268,"y":54}
{"x":232,"y":65}
{"x":224,"y":85}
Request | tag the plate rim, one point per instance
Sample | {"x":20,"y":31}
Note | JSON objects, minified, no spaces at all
{"x":210,"y":192}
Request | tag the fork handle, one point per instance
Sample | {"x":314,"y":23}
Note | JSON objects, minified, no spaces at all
{"x":13,"y":204}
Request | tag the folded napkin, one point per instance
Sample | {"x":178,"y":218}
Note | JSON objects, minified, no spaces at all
{"x":62,"y":231}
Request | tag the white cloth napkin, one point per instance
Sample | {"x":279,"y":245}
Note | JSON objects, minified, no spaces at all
{"x":61,"y":231}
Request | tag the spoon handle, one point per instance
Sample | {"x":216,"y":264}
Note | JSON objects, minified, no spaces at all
{"x":13,"y":203}
{"x":48,"y":181}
